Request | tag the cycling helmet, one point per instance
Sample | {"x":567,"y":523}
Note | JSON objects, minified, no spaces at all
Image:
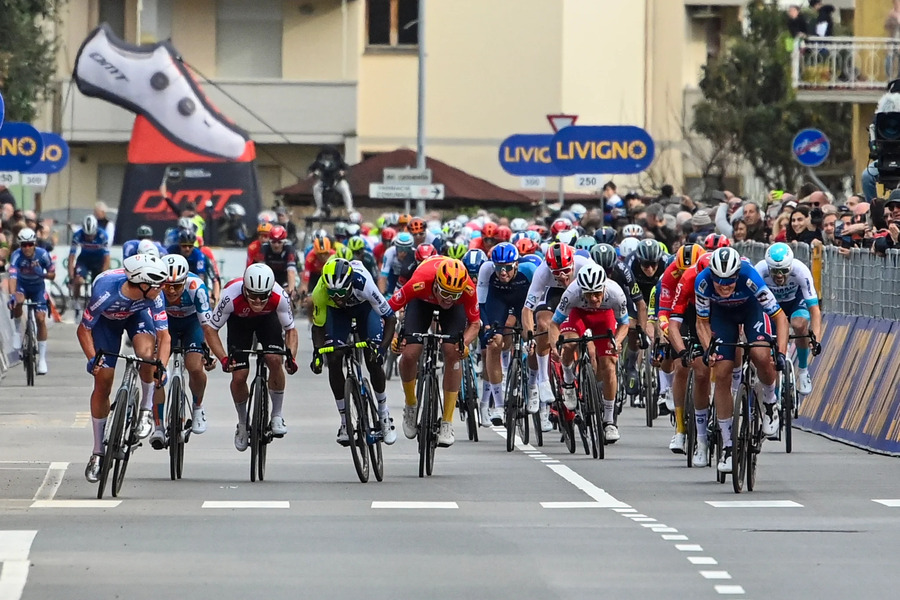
{"x":388,"y":234}
{"x":337,"y":274}
{"x":90,"y":225}
{"x":403,"y":241}
{"x":144,"y":232}
{"x":235,"y":210}
{"x":322,"y":245}
{"x":567,"y":237}
{"x":356,"y":244}
{"x":451,"y":229}
{"x":585,"y":242}
{"x":278,"y":234}
{"x":628,"y":245}
{"x":259,"y":279}
{"x":578,"y":210}
{"x":455,"y":250}
{"x":144,"y":268}
{"x":490,"y":230}
{"x":355,"y":217}
{"x":703,"y":261}
{"x":148,"y":247}
{"x":504,"y":233}
{"x":604,"y":255}
{"x":473,"y":260}
{"x":504,"y":253}
{"x":416,"y":226}
{"x":541,"y":231}
{"x":518,"y":224}
{"x":186,"y":223}
{"x":186,"y":236}
{"x":340,"y":229}
{"x":778,"y":256}
{"x":687,"y":255}
{"x":725,"y":263}
{"x":591,"y":278}
{"x":177,"y":267}
{"x":633,"y":230}
{"x":403,"y":220}
{"x":648,"y":251}
{"x":534,"y":235}
{"x":560,"y":225}
{"x":526,"y":246}
{"x":352,"y":229}
{"x":320,"y":233}
{"x":27,"y":236}
{"x":560,"y":256}
{"x":424,"y":251}
{"x":342,"y":251}
{"x":716,"y":240}
{"x":264,"y":228}
{"x":605,"y":235}
{"x":451,"y":276}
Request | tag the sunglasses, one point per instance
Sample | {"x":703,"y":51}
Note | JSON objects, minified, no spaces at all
{"x":187,"y":246}
{"x":647,"y":265}
{"x":337,"y":293}
{"x":26,"y":245}
{"x":725,"y":282}
{"x":780,"y":271}
{"x":257,"y":297}
{"x":506,"y":268}
{"x":561,"y":272}
{"x":449,"y":296}
{"x":174,"y":287}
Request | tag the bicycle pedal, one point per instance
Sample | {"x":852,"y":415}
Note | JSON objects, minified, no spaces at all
{"x":275,"y":435}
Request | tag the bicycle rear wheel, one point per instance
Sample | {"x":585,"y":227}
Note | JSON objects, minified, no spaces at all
{"x":740,"y":434}
{"x":357,"y":427}
{"x":375,"y":434}
{"x":425,"y":418}
{"x":434,"y":424}
{"x":755,"y":441}
{"x":689,"y":420}
{"x":470,"y":399}
{"x":788,"y":403}
{"x":592,"y":403}
{"x":176,"y":428}
{"x":128,"y":444}
{"x":115,"y":424}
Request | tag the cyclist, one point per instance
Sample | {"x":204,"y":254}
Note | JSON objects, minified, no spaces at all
{"x":196,"y":258}
{"x":605,"y":256}
{"x":473,"y":260}
{"x":529,"y":251}
{"x":729,"y":294}
{"x":387,"y":236}
{"x":592,"y":302}
{"x":399,"y":263}
{"x":455,"y":249}
{"x":792,"y":283}
{"x":716,"y":240}
{"x":124,"y":300}
{"x":439,"y":284}
{"x":279,"y":254}
{"x":361,"y":252}
{"x":549,"y":282}
{"x":605,"y":235}
{"x":255,"y":304}
{"x":93,"y":258}
{"x":424,"y":251}
{"x":419,"y":230}
{"x":488,"y":239}
{"x":144,"y":232}
{"x":347,"y":291}
{"x":28,"y":267}
{"x":254,"y":250}
{"x":501,"y":289}
{"x":647,"y":264}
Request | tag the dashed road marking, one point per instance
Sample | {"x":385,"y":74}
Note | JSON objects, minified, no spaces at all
{"x":14,"y":549}
{"x":52,"y":480}
{"x":246,"y":504}
{"x":715,"y":574}
{"x":893,"y":503}
{"x":702,"y":560}
{"x":82,"y":420}
{"x":415,"y":505}
{"x":729,"y":589}
{"x":75,"y":503}
{"x":572,"y":505}
{"x":754,"y":504}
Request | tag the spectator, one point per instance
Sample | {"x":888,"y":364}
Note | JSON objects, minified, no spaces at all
{"x":852,"y":231}
{"x":801,"y":228}
{"x":756,"y":227}
{"x":828,"y":229}
{"x":739,"y":228}
{"x":610,"y":198}
{"x":701,"y":226}
{"x":817,"y":199}
{"x":797,"y":25}
{"x":284,"y":219}
{"x":656,"y":225}
{"x":854,"y":200}
{"x":890,"y":237}
{"x":6,"y":197}
{"x":780,"y":226}
{"x":103,"y":221}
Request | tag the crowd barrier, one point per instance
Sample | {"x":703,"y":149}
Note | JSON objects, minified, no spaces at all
{"x":8,"y":356}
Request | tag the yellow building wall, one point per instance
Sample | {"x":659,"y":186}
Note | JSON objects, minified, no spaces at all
{"x":868,"y":21}
{"x":194,"y":33}
{"x":313,"y":40}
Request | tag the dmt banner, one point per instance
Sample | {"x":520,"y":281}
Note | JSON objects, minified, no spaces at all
{"x":601,"y":149}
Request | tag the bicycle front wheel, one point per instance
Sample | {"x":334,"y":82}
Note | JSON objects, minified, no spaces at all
{"x":512,"y":405}
{"x":470,"y":399}
{"x":357,"y":428}
{"x":255,"y":415}
{"x":592,"y":402}
{"x":740,"y":434}
{"x":128,"y":442}
{"x":788,"y":403}
{"x":690,"y":420}
{"x":176,"y":428}
{"x":29,"y":350}
{"x":375,"y":434}
{"x":115,"y":425}
{"x":425,"y":419}
{"x":434,"y":424}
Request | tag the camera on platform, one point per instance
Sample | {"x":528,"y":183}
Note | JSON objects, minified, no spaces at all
{"x":884,"y":137}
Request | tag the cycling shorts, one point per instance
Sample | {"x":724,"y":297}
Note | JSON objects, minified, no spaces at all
{"x":796,"y":308}
{"x":598,"y":321}
{"x":107,"y":333}
{"x":550,"y":303}
{"x":186,"y":333}
{"x":726,"y":326}
{"x":339,"y":321}
{"x":418,"y":319}
{"x":35,"y":292}
{"x":85,"y":267}
{"x":240,"y":337}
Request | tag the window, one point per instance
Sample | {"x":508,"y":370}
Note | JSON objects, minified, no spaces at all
{"x":110,"y":179}
{"x":393,"y":22}
{"x":112,"y":12}
{"x":248,"y":38}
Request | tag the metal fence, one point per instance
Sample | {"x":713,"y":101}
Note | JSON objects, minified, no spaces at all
{"x":858,"y":284}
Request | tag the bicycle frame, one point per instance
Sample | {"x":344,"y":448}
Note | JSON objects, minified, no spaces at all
{"x":258,"y":412}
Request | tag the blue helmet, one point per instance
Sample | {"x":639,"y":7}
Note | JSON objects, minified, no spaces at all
{"x":504,"y":253}
{"x":404,"y":241}
{"x":605,"y":235}
{"x":473,"y":260}
{"x":779,"y":256}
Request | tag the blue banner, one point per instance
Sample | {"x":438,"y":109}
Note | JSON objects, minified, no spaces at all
{"x":55,"y":155}
{"x":2,"y":110}
{"x":528,"y":154}
{"x":608,"y":150}
{"x":21,"y":147}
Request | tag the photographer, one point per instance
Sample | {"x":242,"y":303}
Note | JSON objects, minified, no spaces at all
{"x":853,"y":230}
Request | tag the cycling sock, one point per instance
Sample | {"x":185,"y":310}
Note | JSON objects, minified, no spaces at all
{"x":543,"y":367}
{"x":99,"y":426}
{"x":486,"y":393}
{"x":449,"y":405}
{"x":277,"y":397}
{"x":768,"y":392}
{"x":505,"y":358}
{"x":342,"y":410}
{"x":409,"y":392}
{"x":241,"y":408}
{"x":802,"y":358}
{"x":497,"y":392}
{"x":197,"y":402}
{"x":569,"y":373}
{"x":609,"y":406}
{"x":42,"y":350}
{"x":725,"y":427}
{"x":679,"y":419}
{"x":147,"y":395}
{"x":532,"y":376}
{"x":665,"y":381}
{"x":701,"y":417}
{"x":735,"y":377}
{"x":160,"y":413}
{"x":381,"y":397}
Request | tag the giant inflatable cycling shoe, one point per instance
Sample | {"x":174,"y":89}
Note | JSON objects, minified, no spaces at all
{"x":152,"y":81}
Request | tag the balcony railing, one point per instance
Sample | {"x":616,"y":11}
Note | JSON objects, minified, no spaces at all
{"x":844,"y":69}
{"x":300,"y":112}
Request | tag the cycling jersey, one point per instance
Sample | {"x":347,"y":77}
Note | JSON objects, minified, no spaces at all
{"x":750,"y":288}
{"x":368,"y":262}
{"x":93,"y":251}
{"x":107,"y":301}
{"x":497,"y":299}
{"x":280,"y":262}
{"x":421,"y":287}
{"x":196,"y":260}
{"x":255,"y":252}
{"x":130,"y":248}
{"x":684,"y":298}
{"x":194,"y":301}
{"x":312,"y":267}
{"x":798,"y":291}
{"x":396,"y":270}
{"x":30,"y":271}
{"x":362,"y":289}
{"x":233,"y":303}
{"x":544,"y":280}
{"x":531,"y":259}
{"x":613,"y":299}
{"x":212,"y":266}
{"x":645,"y":283}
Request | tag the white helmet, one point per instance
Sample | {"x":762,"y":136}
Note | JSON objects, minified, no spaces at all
{"x":633,"y":230}
{"x":591,"y":278}
{"x":89,"y":225}
{"x":355,"y":217}
{"x":177,"y":267}
{"x":778,"y":256}
{"x":148,"y":247}
{"x":186,"y":223}
{"x":725,"y":263}
{"x":144,"y":268}
{"x":518,"y":224}
{"x":27,"y":236}
{"x":259,"y":279}
{"x":578,"y":210}
{"x":628,"y":245}
{"x":567,"y":237}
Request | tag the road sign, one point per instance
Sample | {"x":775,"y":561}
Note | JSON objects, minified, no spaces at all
{"x":526,"y":154}
{"x":8,"y":178}
{"x":622,"y":150}
{"x":407,"y":176}
{"x":558,"y":122}
{"x":811,"y":147}
{"x":588,"y":181}
{"x":34,"y":179}
{"x":534,"y":183}
{"x":55,"y":155}
{"x":386,"y":191}
{"x":435,"y":191}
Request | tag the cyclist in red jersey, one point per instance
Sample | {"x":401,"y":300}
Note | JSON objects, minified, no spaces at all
{"x":254,"y":250}
{"x":488,"y":239}
{"x":439,"y":284}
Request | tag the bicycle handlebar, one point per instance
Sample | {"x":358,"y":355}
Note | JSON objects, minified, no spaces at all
{"x":130,"y":358}
{"x":343,"y":347}
{"x":609,"y":335}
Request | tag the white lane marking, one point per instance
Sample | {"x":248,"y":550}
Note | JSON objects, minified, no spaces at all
{"x":414,"y":505}
{"x":643,"y":519}
{"x":753,"y":504}
{"x":625,"y":510}
{"x":551,"y":461}
{"x":675,"y":538}
{"x":572,"y":505}
{"x":82,"y":419}
{"x":888,"y":502}
{"x":15,"y":545}
{"x":689,"y":547}
{"x":702,"y":560}
{"x":75,"y":503}
{"x":52,"y":480}
{"x":729,"y":589}
{"x":14,"y":549}
{"x":632,"y":516}
{"x":246,"y":504}
{"x":665,"y":530}
{"x":587,"y":487}
{"x":716,"y":574}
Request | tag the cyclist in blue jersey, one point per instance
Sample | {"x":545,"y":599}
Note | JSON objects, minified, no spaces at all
{"x":398,"y":264}
{"x":93,"y":258}
{"x":124,"y":300}
{"x":28,"y":267}
{"x":196,"y":260}
{"x":187,"y":308}
{"x":502,"y":287}
{"x":473,"y":259}
{"x":730,"y":294}
{"x":144,"y":234}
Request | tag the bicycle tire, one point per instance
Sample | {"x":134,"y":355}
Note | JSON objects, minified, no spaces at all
{"x":129,"y":442}
{"x":434,"y":425}
{"x":755,"y":437}
{"x":356,"y":428}
{"x":254,"y":416}
{"x":60,"y":300}
{"x":175,"y":417}
{"x":512,"y":405}
{"x":424,"y":423}
{"x":30,"y":349}
{"x":376,"y":455}
{"x":593,"y":403}
{"x":788,"y":404}
{"x":265,"y":433}
{"x":690,"y":420}
{"x":114,"y":426}
{"x":646,"y":392}
{"x":538,"y":431}
{"x":740,"y":434}
{"x":470,"y":400}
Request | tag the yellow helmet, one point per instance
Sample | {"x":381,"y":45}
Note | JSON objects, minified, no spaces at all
{"x":687,"y":255}
{"x":452,"y":276}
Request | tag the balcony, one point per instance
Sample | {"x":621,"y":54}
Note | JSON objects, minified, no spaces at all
{"x":844,"y":69}
{"x":301,"y":112}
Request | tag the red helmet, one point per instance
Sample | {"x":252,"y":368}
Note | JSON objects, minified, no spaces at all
{"x":716,"y":240}
{"x":424,"y":251}
{"x":703,"y":261}
{"x":490,"y":230}
{"x":542,"y":231}
{"x":416,"y":226}
{"x":526,"y":246}
{"x":278,"y":233}
{"x":560,"y":225}
{"x":504,"y":233}
{"x":560,"y":256}
{"x":474,"y":225}
{"x":387,"y":234}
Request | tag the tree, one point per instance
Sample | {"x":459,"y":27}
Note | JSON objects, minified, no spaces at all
{"x":27,"y":56}
{"x":750,"y":107}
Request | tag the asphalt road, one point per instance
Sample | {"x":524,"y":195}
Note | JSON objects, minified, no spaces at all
{"x":535,"y":523}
